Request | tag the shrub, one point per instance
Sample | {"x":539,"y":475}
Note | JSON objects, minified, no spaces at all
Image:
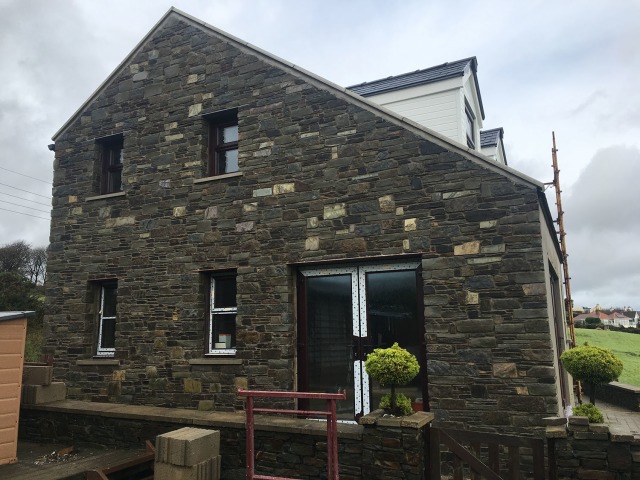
{"x":392,"y":367}
{"x":593,"y":365}
{"x":589,"y":410}
{"x":403,"y":403}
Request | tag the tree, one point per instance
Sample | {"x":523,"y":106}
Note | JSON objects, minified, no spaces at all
{"x":592,"y":365}
{"x":18,"y":294}
{"x":37,"y":265}
{"x":392,"y":367}
{"x":14,"y":257}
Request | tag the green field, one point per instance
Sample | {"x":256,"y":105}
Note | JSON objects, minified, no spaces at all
{"x":626,"y":346}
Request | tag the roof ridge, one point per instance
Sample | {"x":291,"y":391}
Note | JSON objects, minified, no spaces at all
{"x":420,"y":70}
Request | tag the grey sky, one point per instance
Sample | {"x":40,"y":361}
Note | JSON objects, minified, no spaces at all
{"x":568,"y":67}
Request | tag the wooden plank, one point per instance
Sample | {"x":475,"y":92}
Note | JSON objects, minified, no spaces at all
{"x":7,"y":453}
{"x":538,"y":460}
{"x":11,"y":345}
{"x":10,"y":375}
{"x":514,"y":463}
{"x":494,"y":457}
{"x":9,"y":420}
{"x":458,"y":469}
{"x":476,"y":449}
{"x":10,"y":360}
{"x":9,"y":390}
{"x":12,"y":329}
{"x":434,"y":453}
{"x":7,"y":435}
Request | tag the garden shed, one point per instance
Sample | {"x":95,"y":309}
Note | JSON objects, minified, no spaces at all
{"x":13,"y":332}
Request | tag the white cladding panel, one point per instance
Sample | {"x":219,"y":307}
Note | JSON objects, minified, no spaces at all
{"x":439,"y":111}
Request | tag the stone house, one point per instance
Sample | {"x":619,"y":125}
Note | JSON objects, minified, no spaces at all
{"x":223,"y":218}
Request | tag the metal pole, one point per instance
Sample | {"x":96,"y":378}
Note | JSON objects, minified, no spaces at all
{"x":250,"y":457}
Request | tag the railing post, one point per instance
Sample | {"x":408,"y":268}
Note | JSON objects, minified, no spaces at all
{"x":250,"y":446}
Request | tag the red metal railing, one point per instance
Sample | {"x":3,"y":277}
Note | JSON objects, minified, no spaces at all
{"x":332,"y":426}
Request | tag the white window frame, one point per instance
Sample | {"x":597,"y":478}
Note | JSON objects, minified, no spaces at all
{"x":105,"y":351}
{"x":216,"y":312}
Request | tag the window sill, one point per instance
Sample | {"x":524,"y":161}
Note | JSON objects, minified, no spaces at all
{"x":215,"y":361}
{"x":105,"y":196}
{"x":103,"y":362}
{"x":217,"y":177}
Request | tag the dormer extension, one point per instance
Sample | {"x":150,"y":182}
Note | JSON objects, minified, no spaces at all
{"x":492,"y":144}
{"x":445,"y":98}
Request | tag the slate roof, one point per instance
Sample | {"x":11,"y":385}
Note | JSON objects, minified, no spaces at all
{"x":411,"y":79}
{"x":489,"y":138}
{"x":421,"y":77}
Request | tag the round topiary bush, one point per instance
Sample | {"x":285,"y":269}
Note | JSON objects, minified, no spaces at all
{"x":392,"y":367}
{"x":593,"y":365}
{"x":590,"y":411}
{"x":403,"y":403}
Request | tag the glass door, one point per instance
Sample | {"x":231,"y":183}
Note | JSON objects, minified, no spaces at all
{"x":343,"y":314}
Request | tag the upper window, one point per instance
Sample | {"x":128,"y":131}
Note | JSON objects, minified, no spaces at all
{"x":107,"y":319}
{"x":222,"y":314}
{"x":470,"y":126}
{"x":223,"y":143}
{"x":111,"y":164}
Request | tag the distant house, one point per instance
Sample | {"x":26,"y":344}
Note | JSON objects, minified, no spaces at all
{"x":223,"y":219}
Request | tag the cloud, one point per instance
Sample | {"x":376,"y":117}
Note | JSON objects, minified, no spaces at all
{"x":602,"y":216}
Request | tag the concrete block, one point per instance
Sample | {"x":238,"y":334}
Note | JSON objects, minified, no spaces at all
{"x":39,"y":394}
{"x":37,"y":374}
{"x":206,"y":470}
{"x":187,"y":446}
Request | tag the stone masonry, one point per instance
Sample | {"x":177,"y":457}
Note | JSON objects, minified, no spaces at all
{"x":324,"y":176}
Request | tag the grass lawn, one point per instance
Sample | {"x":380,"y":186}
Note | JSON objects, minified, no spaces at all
{"x":626,"y":346}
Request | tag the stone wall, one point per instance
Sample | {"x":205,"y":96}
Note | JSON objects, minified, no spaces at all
{"x":580,"y":450}
{"x":323,"y":177}
{"x":284,"y":447}
{"x":616,"y":393}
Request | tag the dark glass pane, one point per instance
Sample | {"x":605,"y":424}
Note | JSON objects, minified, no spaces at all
{"x":228,"y":161}
{"x":330,"y":340}
{"x":224,"y":330}
{"x":229,"y":134}
{"x":392,"y":310}
{"x":115,"y":181}
{"x":109,"y":301}
{"x":108,"y":333}
{"x":224,"y":292}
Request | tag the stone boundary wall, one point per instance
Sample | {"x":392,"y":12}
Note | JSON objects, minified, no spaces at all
{"x":581,"y":450}
{"x":382,"y":448}
{"x":620,"y":394}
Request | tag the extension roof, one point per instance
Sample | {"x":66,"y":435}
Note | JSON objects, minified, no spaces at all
{"x":421,"y":77}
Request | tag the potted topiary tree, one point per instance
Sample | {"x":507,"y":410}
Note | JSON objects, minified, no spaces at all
{"x":592,"y":365}
{"x":393,"y":367}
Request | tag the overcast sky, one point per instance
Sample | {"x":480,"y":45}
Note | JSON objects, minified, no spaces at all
{"x":570,"y":67}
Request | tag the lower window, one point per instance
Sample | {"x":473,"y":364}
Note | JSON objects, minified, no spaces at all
{"x":222,"y":315}
{"x":107,"y":319}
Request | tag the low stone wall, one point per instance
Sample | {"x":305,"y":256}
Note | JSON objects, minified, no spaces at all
{"x":620,"y":394}
{"x":380,"y":448}
{"x":579,"y":450}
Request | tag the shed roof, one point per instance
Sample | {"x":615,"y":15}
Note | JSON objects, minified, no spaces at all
{"x":14,"y":315}
{"x":421,"y":77}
